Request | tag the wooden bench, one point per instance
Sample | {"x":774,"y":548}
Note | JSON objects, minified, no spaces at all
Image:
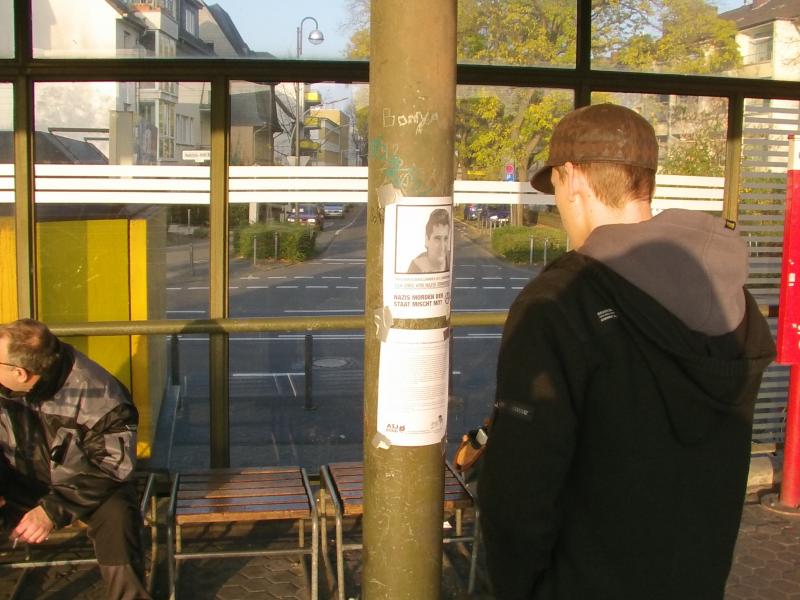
{"x":240,"y":495}
{"x":344,"y":485}
{"x":53,"y":552}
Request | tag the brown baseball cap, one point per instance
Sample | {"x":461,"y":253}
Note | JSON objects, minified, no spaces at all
{"x":599,"y":133}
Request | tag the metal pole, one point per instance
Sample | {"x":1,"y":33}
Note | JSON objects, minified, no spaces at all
{"x":403,"y":485}
{"x":530,"y":255}
{"x":544,"y":259}
{"x":309,"y":363}
{"x":255,"y":248}
{"x":790,"y":480}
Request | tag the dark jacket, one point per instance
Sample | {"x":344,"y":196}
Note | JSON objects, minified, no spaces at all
{"x":617,"y":460}
{"x":73,"y":436}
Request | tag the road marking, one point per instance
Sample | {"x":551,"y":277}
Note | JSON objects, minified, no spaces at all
{"x":490,"y":278}
{"x":277,"y":277}
{"x":492,"y":287}
{"x":303,"y":277}
{"x":347,"y":287}
{"x":517,"y":287}
{"x":331,"y":277}
{"x":316,"y":287}
{"x":357,"y":277}
{"x":174,"y":289}
{"x":233,"y":287}
{"x":251,"y":276}
{"x":257,"y":287}
{"x":465,"y":278}
{"x":465,"y":287}
{"x":287,"y":287}
{"x":198,"y":288}
{"x":519,"y":278}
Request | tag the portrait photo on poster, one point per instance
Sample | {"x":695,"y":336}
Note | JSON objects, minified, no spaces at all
{"x":423,"y":239}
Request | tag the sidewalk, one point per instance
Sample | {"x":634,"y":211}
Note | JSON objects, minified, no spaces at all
{"x":766,"y":567}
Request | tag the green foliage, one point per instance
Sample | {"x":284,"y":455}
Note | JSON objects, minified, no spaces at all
{"x":499,"y":125}
{"x":514,"y":243}
{"x":295,"y":242}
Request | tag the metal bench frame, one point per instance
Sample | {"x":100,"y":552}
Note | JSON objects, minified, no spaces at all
{"x":330,"y":489}
{"x":177,"y":553}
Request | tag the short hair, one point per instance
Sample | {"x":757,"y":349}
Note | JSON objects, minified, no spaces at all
{"x":440,"y":216}
{"x":31,"y":345}
{"x":616,"y":184}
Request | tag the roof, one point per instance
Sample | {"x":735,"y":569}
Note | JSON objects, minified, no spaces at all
{"x":759,"y":12}
{"x":128,"y":13}
{"x":228,"y":28}
{"x":253,"y":109}
{"x":54,"y":150}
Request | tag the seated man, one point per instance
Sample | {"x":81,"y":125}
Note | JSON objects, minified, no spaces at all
{"x":68,"y":451}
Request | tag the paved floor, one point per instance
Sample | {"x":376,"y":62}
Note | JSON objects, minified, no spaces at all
{"x":766,"y":567}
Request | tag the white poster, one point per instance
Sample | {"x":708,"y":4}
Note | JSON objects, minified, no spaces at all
{"x":417,"y":264}
{"x":413,"y":386}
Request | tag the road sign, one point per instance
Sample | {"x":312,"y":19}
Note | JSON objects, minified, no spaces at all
{"x":197,"y":155}
{"x":509,"y":171}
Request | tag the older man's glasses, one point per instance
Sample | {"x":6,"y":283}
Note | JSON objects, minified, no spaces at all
{"x":13,"y":365}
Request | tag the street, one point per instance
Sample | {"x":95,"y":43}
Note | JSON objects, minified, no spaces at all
{"x":272,"y":421}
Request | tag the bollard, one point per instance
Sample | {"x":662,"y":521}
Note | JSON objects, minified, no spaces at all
{"x":191,"y":255}
{"x":255,"y":248}
{"x":309,"y":363}
{"x":546,"y":243}
{"x":174,"y":371}
{"x":275,"y":238}
{"x":530,"y":256}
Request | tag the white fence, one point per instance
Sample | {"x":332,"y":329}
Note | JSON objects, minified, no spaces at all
{"x":158,"y":185}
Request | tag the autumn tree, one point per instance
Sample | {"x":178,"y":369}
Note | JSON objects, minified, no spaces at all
{"x":498,"y":125}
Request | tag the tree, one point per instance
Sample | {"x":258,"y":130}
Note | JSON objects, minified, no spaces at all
{"x":497,"y":125}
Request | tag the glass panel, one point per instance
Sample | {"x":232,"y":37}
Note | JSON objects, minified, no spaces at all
{"x":8,"y":248}
{"x":707,"y":37}
{"x":122,"y":215}
{"x":517,"y":32}
{"x":6,"y":29}
{"x":195,"y":29}
{"x":299,"y":247}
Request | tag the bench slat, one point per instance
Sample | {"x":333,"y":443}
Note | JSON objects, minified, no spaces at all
{"x":187,"y":505}
{"x":244,"y":513}
{"x":248,"y":492}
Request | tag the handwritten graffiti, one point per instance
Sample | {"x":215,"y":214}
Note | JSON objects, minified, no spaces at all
{"x":418,"y":118}
{"x":404,"y":177}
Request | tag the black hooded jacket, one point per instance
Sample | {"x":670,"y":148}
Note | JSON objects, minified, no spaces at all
{"x":618,"y":456}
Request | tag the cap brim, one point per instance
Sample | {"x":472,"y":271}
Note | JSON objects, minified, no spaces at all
{"x":541,"y":180}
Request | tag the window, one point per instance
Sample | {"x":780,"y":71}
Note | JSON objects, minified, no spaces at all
{"x":190,"y":20}
{"x":760,"y":45}
{"x":185,"y":125}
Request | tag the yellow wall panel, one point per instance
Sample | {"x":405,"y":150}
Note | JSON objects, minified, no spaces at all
{"x":83,"y":276}
{"x":8,"y":269}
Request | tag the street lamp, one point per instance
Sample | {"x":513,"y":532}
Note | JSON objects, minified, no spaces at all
{"x":316,"y":38}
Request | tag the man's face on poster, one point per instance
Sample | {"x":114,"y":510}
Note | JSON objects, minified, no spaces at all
{"x":438,"y":245}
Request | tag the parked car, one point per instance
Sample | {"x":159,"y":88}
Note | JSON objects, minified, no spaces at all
{"x":496,"y":213}
{"x":333,"y":210}
{"x":310,"y":214}
{"x":472,"y":212}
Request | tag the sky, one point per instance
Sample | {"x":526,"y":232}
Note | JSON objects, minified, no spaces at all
{"x":271,"y":25}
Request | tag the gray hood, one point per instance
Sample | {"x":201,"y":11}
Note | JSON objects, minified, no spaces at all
{"x":709,"y":300}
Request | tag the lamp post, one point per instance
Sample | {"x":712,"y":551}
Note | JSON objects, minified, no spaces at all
{"x":316,"y":38}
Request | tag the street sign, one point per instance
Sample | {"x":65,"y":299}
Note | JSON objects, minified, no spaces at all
{"x":509,"y":171}
{"x":197,"y":155}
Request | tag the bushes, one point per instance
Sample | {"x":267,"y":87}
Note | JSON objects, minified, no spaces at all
{"x":514,"y":243}
{"x":295,"y":242}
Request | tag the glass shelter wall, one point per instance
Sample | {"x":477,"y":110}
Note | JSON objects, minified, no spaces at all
{"x":247,"y":259}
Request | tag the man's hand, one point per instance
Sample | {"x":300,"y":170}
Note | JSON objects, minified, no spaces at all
{"x":34,"y":527}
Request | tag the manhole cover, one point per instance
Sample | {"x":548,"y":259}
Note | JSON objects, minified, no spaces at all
{"x":330,"y":363}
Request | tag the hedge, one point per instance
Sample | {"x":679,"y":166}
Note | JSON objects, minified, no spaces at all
{"x":296,"y":243}
{"x":514,"y":243}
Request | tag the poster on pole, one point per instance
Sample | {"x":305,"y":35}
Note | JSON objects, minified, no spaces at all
{"x":417,"y":262}
{"x":413,"y":386}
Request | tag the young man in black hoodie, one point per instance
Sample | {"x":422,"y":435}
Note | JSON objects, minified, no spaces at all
{"x":618,"y":454}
